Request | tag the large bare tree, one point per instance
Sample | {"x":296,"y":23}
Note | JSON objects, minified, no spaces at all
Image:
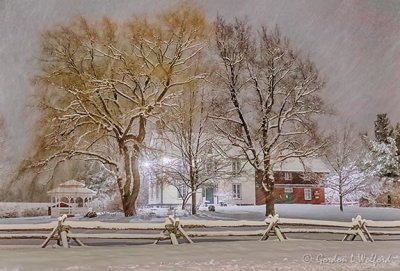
{"x":195,"y":156}
{"x":273,"y":95}
{"x":101,"y":83}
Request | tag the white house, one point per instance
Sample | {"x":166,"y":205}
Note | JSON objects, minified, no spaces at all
{"x":234,"y":186}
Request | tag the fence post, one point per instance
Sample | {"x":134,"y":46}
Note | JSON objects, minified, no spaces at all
{"x":62,"y":231}
{"x":273,"y":226}
{"x":175,"y":230}
{"x":358,"y":228}
{"x":52,"y":233}
{"x":362,"y":225}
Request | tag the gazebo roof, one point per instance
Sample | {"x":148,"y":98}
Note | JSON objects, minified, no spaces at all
{"x":72,"y":188}
{"x":72,"y":183}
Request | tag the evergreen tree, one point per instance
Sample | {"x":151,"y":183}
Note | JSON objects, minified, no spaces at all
{"x":383,"y":129}
{"x":382,"y":159}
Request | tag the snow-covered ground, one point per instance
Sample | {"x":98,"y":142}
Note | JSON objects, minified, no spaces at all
{"x":306,"y":211}
{"x":296,"y":255}
{"x":320,"y":212}
{"x":229,"y":254}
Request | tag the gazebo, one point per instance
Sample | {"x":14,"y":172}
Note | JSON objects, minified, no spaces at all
{"x":70,"y":198}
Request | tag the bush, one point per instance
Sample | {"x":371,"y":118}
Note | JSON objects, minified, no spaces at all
{"x":33,"y":212}
{"x":10,"y":214}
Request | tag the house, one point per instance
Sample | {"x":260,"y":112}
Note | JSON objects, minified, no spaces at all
{"x":231,"y":185}
{"x":296,"y":181}
{"x":235,"y":188}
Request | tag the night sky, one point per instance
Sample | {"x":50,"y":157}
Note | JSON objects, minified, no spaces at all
{"x":355,"y":44}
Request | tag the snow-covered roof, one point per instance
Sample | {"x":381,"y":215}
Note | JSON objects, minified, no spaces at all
{"x":72,"y":187}
{"x":224,"y":147}
{"x":72,"y":183}
{"x":315,"y":165}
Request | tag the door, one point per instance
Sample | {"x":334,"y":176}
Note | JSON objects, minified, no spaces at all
{"x":289,"y":196}
{"x":210,"y":195}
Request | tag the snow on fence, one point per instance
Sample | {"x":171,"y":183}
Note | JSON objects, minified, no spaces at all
{"x":174,"y":229}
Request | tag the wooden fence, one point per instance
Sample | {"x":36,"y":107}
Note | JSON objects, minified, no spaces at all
{"x":174,"y":229}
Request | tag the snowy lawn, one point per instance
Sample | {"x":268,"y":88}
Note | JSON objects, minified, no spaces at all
{"x":306,"y":211}
{"x":245,"y":255}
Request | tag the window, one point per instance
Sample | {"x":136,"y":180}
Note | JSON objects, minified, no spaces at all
{"x":182,"y":191}
{"x":237,"y":191}
{"x":157,"y":192}
{"x":288,"y":176}
{"x":307,"y":193}
{"x":236,"y":167}
{"x":288,"y":190}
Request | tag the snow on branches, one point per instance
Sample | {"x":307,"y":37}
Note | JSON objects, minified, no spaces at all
{"x":102,"y":83}
{"x":382,"y":158}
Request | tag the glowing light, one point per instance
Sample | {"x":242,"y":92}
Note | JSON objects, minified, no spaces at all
{"x":166,"y":160}
{"x":146,"y":164}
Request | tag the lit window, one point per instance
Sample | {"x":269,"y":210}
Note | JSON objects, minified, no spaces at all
{"x":307,"y":193}
{"x":237,"y":191}
{"x":288,"y":176}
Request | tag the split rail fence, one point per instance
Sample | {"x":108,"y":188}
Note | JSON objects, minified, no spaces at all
{"x":63,"y":232}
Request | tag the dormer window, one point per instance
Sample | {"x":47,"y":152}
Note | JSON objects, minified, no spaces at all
{"x":236,"y":166}
{"x":288,"y":176}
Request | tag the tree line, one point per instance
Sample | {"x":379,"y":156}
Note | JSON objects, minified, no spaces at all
{"x":102,"y":86}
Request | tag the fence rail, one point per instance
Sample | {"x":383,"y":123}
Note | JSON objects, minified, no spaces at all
{"x":174,"y":229}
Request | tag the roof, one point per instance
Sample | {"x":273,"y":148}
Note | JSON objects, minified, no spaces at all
{"x":315,"y":165}
{"x":72,"y":187}
{"x":225,"y":148}
{"x":72,"y":183}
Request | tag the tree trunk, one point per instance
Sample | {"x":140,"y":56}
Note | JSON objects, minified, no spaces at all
{"x":341,"y":202}
{"x":184,"y":202}
{"x":129,"y":190}
{"x":129,"y":205}
{"x":194,"y":209}
{"x":269,"y":204}
{"x":341,"y":194}
{"x":263,"y":180}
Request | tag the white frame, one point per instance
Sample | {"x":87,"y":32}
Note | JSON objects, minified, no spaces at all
{"x":237,"y":191}
{"x":307,"y":194}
